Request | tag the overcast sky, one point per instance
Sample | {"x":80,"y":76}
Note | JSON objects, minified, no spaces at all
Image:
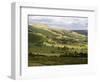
{"x":72,"y":23}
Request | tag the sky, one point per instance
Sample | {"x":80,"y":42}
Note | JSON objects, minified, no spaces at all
{"x":71,"y":23}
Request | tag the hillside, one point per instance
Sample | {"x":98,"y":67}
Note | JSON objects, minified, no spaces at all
{"x":45,"y":42}
{"x":56,"y":36}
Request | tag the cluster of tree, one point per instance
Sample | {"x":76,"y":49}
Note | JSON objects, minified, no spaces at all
{"x":30,"y":54}
{"x":73,"y":52}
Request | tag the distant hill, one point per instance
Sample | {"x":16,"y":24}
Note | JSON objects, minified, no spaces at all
{"x":84,"y":32}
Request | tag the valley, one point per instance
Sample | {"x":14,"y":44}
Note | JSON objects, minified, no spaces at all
{"x":50,"y":46}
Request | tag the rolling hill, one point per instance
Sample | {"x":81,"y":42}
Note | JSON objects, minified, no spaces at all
{"x":50,"y":46}
{"x":42,"y":33}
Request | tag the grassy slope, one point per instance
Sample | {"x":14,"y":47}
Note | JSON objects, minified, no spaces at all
{"x":54,"y":42}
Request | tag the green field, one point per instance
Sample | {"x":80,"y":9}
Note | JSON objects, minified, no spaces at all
{"x":53,"y":60}
{"x":48,"y":46}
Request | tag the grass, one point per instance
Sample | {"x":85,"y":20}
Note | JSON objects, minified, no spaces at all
{"x":54,"y":60}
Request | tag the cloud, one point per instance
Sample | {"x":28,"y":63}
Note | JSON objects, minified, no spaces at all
{"x":73,"y":23}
